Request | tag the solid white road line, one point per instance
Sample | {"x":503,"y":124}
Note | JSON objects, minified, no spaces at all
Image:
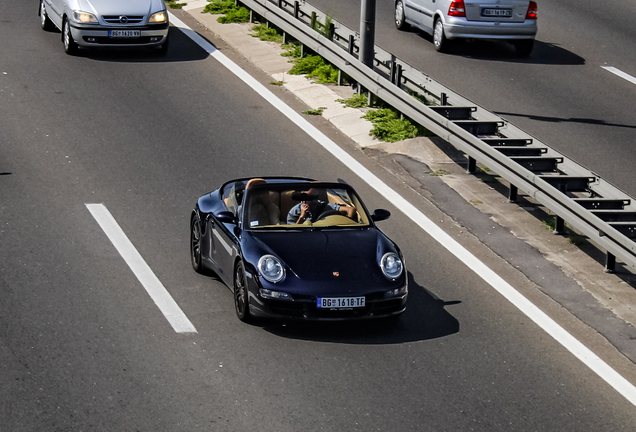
{"x":162,"y":298}
{"x":583,"y":353}
{"x":620,"y":73}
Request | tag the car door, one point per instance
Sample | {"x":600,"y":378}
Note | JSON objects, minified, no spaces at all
{"x":414,"y":12}
{"x":428,"y":8}
{"x":224,"y":245}
{"x":55,"y":11}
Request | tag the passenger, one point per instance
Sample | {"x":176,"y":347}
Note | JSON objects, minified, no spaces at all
{"x":311,"y":207}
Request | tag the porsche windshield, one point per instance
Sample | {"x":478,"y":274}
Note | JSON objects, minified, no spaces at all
{"x":272,"y":206}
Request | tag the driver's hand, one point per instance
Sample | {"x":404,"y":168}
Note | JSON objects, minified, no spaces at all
{"x":304,"y":208}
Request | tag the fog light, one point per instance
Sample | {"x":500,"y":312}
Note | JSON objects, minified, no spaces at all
{"x":90,"y":39}
{"x":395,"y":292}
{"x":277,"y":295}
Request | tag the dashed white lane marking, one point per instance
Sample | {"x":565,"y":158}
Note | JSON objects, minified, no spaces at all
{"x":620,"y":73}
{"x":579,"y":350}
{"x":162,"y":298}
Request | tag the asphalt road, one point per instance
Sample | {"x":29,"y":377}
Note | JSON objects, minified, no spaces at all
{"x":83,"y":347}
{"x":560,"y":94}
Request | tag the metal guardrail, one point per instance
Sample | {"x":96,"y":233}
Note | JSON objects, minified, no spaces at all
{"x":587,"y":202}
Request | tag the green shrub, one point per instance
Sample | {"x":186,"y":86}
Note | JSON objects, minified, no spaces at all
{"x":240,"y":15}
{"x":233,"y":14}
{"x":356,"y":101}
{"x":291,"y":50}
{"x":174,"y":5}
{"x":219,"y":6}
{"x":265,"y":33}
{"x":389,"y":127}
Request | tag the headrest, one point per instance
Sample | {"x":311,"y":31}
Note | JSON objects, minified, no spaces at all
{"x":254,"y":182}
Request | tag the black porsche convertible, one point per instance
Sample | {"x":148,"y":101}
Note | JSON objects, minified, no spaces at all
{"x":296,"y":248}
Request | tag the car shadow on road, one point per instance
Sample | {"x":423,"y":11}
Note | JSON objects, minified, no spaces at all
{"x":182,"y":49}
{"x":425,"y":318}
{"x":543,"y":53}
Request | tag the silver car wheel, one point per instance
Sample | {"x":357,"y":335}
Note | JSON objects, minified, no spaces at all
{"x":42,"y":13}
{"x":400,"y":20}
{"x":45,"y":22}
{"x":439,"y":39}
{"x":70,"y":47}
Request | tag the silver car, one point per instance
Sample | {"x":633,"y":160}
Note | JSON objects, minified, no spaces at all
{"x":510,"y":20}
{"x":107,"y":23}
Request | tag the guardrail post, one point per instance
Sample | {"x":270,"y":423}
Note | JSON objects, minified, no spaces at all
{"x":332,"y":31}
{"x":443,"y":99}
{"x":559,"y":225}
{"x":352,"y":44}
{"x":296,"y":9}
{"x":314,"y":18}
{"x":280,"y":4}
{"x":472,"y":165}
{"x":610,"y":263}
{"x":367,"y":32}
{"x":512,"y":196}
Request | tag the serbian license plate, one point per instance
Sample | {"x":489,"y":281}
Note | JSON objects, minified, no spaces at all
{"x":340,"y":302}
{"x":124,"y":33}
{"x":504,"y":13}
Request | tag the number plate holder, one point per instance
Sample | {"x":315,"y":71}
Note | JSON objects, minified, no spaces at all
{"x":496,"y":13}
{"x":340,"y":303}
{"x":125,"y":34}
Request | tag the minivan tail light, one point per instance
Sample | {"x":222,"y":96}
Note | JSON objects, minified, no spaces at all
{"x":532,"y":10}
{"x":458,"y":9}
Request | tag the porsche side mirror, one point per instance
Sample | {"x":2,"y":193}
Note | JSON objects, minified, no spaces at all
{"x":226,"y":217}
{"x":380,"y":215}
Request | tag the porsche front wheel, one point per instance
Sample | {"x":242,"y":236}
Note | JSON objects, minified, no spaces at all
{"x":241,"y":300}
{"x":195,"y":245}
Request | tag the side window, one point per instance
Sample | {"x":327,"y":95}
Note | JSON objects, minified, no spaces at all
{"x":232,"y":194}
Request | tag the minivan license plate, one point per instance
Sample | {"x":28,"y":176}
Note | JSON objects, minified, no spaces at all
{"x":340,"y":302}
{"x":124,"y":33}
{"x":496,"y":12}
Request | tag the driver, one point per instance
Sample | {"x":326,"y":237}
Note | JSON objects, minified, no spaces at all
{"x":310,"y":208}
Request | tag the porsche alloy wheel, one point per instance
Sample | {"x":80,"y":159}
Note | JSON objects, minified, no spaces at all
{"x":195,"y":245}
{"x":439,"y":38}
{"x":241,"y":303}
{"x":45,"y":21}
{"x":70,"y":47}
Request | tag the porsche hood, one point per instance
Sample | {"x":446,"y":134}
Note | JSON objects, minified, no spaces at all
{"x":323,"y":255}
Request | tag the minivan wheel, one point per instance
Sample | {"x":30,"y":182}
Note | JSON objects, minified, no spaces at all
{"x":400,"y":19}
{"x":70,"y":47}
{"x":439,"y":38}
{"x":45,"y":21}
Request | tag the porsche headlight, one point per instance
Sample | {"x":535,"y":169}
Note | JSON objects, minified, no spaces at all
{"x":391,"y":265}
{"x":84,"y":17}
{"x":271,"y":268}
{"x":159,"y":17}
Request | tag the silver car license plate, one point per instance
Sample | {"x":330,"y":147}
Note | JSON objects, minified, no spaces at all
{"x":124,"y":33}
{"x":504,"y":13}
{"x":340,"y":302}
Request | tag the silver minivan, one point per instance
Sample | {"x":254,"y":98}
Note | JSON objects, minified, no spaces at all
{"x":514,"y":21}
{"x":107,"y":23}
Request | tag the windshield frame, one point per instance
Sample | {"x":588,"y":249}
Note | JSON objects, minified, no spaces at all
{"x":356,"y":201}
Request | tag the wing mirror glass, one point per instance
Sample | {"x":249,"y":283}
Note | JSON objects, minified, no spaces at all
{"x":226,"y":217}
{"x":380,"y":215}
